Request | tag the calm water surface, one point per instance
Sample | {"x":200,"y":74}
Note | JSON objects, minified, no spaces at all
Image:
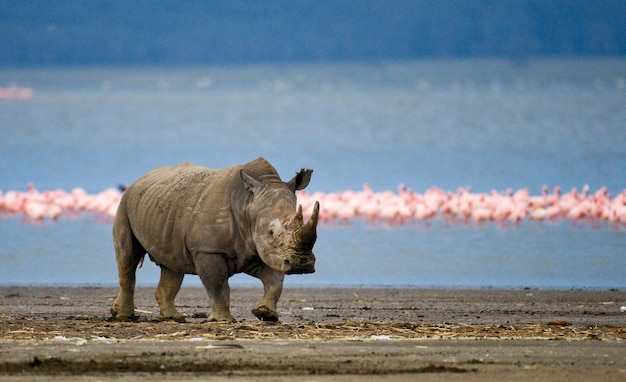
{"x":484,"y":124}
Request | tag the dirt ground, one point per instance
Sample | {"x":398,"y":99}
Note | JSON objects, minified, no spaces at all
{"x":63,"y":333}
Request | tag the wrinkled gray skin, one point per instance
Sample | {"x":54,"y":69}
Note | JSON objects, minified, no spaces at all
{"x":213,"y":223}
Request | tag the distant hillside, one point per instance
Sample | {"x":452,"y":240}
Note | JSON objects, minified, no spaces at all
{"x":76,"y":32}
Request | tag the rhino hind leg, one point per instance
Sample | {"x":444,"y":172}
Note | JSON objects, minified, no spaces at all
{"x":123,"y":308}
{"x":128,"y":253}
{"x":169,"y":285}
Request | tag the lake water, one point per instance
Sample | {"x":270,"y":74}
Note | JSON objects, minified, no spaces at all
{"x":491,"y":125}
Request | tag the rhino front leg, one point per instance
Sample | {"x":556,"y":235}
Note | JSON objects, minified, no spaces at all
{"x":213,"y":272}
{"x":273,"y":287}
{"x":169,"y":285}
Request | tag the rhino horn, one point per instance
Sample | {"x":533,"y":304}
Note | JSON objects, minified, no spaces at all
{"x":298,"y":217}
{"x":307,"y":234}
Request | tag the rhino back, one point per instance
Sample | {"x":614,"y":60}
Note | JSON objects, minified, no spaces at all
{"x":178,"y":210}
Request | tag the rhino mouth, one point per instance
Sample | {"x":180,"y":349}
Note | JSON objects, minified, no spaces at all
{"x":299,"y":265}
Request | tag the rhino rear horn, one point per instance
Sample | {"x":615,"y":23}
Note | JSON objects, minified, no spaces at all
{"x":299,"y":219}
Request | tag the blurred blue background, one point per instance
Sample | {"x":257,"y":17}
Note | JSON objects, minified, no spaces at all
{"x":146,"y":32}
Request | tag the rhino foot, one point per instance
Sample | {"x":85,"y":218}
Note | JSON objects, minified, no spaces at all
{"x":229,"y":320}
{"x":123,"y":317}
{"x":179,"y":319}
{"x":264,"y":313}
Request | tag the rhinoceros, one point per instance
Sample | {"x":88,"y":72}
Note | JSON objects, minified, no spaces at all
{"x":213,"y":223}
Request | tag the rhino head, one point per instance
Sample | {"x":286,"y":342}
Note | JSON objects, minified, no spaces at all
{"x":282,"y":239}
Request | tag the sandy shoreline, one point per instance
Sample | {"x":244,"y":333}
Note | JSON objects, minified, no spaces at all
{"x":351,"y":333}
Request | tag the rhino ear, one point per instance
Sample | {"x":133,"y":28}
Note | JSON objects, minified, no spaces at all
{"x":251,"y":184}
{"x":301,"y":180}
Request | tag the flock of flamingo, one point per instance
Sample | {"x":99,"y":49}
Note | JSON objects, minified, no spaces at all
{"x":462,"y":206}
{"x":401,"y":207}
{"x":16,"y":93}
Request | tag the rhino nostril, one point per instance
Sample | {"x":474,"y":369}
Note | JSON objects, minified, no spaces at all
{"x":286,"y":266}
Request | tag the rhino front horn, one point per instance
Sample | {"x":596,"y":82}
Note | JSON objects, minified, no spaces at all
{"x":308,"y":232}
